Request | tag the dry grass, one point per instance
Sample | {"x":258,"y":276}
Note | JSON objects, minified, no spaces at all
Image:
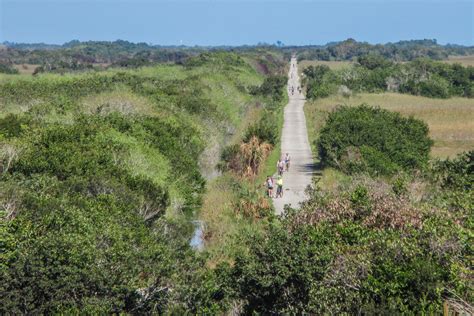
{"x":331,"y":64}
{"x":463,"y":60}
{"x":223,"y":223}
{"x":451,"y":121}
{"x":26,"y":69}
{"x":217,"y":211}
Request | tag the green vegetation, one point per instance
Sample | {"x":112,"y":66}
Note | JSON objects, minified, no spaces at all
{"x":79,"y":56}
{"x":103,"y":173}
{"x":361,"y":248}
{"x":363,"y":138}
{"x":100,"y":176}
{"x":449,"y":120}
{"x":385,"y":228}
{"x":400,"y":51}
{"x":7,"y":69}
{"x":244,"y":164}
{"x":373,"y":73}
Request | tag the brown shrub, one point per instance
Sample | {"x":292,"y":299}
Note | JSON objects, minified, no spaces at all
{"x":253,"y":154}
{"x":384,"y":209}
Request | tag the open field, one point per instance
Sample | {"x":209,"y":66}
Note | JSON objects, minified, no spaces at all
{"x":463,"y":60}
{"x":331,"y":64}
{"x":26,"y":69}
{"x":451,"y":121}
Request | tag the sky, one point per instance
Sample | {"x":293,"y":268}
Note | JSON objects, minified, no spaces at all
{"x":231,"y":22}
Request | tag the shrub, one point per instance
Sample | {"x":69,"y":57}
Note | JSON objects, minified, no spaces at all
{"x":365,"y":138}
{"x":320,"y":90}
{"x":457,"y":173}
{"x":372,"y":61}
{"x":272,"y":87}
{"x":266,"y":129}
{"x":435,"y":87}
{"x":251,"y":203}
{"x":7,"y":69}
{"x":12,"y":125}
{"x":454,"y":178}
{"x":316,"y":72}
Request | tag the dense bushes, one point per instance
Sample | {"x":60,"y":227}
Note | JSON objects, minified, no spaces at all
{"x":7,"y":69}
{"x":266,"y":129}
{"x":75,"y":210}
{"x":73,"y":207}
{"x":455,"y":178}
{"x":89,"y":167}
{"x":319,"y":81}
{"x":272,"y":87}
{"x":83,"y":196}
{"x":358,"y":250}
{"x":259,"y":138}
{"x":373,"y":73}
{"x":364,"y":138}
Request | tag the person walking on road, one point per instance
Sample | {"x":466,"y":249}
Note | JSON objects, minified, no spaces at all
{"x":279,"y":187}
{"x":269,"y":186}
{"x":287,"y":162}
{"x":280,"y":166}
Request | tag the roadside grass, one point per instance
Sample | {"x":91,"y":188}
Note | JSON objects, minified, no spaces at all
{"x":270,"y":164}
{"x":331,"y":179}
{"x":451,"y":121}
{"x":223,"y":225}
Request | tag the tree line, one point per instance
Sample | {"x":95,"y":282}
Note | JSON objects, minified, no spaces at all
{"x":350,"y":49}
{"x":374,"y":73}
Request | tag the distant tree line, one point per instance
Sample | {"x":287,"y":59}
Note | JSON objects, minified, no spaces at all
{"x":75,"y":55}
{"x":399,"y":51}
{"x":97,"y":55}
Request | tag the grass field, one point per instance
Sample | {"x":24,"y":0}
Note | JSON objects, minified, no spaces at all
{"x":463,"y":60}
{"x":26,"y":69}
{"x":331,"y":64}
{"x":451,"y":121}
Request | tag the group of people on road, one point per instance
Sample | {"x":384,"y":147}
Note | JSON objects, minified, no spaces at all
{"x":292,"y":89}
{"x":283,"y":164}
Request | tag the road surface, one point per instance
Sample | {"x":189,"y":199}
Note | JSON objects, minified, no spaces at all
{"x":295,"y":141}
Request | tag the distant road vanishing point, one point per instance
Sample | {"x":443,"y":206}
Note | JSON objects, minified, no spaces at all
{"x":294,"y":140}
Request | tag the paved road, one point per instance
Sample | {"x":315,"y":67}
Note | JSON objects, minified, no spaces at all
{"x":295,"y":142}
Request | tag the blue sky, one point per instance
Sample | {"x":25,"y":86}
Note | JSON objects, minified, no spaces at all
{"x":227,"y":22}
